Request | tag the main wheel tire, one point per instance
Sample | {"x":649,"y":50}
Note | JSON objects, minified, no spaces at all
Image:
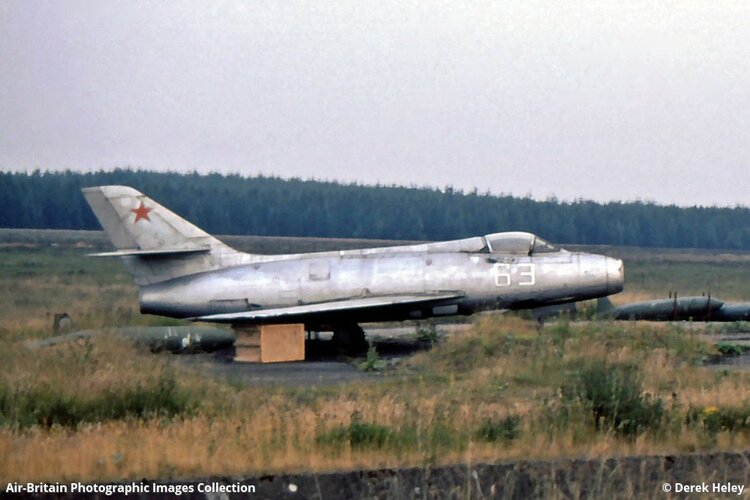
{"x":350,"y":339}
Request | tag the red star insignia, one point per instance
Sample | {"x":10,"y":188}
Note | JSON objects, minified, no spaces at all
{"x":141,"y":213}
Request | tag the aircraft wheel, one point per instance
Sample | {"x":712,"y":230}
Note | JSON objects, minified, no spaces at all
{"x":350,"y":339}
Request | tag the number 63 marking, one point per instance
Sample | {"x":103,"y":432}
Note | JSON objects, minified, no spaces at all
{"x":526,"y":274}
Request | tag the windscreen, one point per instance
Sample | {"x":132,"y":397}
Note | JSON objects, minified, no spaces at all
{"x":542,"y":246}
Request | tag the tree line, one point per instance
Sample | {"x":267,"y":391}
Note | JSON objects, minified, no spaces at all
{"x":263,"y":205}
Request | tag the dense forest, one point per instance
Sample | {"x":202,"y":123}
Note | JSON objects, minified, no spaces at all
{"x":232,"y":204}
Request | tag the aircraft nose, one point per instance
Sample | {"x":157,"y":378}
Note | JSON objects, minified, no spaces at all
{"x":615,"y":275}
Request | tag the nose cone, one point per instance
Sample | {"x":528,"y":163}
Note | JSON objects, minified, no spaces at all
{"x":615,"y":275}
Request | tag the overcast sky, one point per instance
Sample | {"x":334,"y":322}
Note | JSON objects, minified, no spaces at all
{"x":605,"y":101}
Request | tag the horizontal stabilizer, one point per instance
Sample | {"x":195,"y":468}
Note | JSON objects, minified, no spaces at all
{"x":328,"y":307}
{"x":147,"y":253}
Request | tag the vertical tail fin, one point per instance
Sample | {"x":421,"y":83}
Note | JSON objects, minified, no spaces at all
{"x":155,"y":243}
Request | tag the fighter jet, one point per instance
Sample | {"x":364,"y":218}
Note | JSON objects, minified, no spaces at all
{"x":696,"y":308}
{"x":184,"y":272}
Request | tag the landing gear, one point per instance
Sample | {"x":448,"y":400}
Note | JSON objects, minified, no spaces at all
{"x":349,"y":339}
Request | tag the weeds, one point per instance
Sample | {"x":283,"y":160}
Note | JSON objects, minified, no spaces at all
{"x":714,"y":419}
{"x":427,"y":332}
{"x":505,"y":429}
{"x":358,"y":434}
{"x":729,"y":349}
{"x":613,"y":392}
{"x":24,"y":406}
{"x":372,"y":362}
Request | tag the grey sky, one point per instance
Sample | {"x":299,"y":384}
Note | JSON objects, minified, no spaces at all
{"x":598,"y":100}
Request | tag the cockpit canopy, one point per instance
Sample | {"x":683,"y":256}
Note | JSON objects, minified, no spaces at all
{"x":510,"y":243}
{"x":518,"y":243}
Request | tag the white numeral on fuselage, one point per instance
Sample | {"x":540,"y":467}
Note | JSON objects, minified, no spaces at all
{"x":502,"y":274}
{"x":526,"y":274}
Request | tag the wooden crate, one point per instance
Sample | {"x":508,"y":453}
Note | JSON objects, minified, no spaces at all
{"x":270,"y":343}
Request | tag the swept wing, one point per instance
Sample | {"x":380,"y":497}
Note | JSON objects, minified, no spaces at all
{"x":336,"y":306}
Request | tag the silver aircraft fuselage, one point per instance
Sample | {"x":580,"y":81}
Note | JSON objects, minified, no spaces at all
{"x":184,"y":272}
{"x":484,"y":281}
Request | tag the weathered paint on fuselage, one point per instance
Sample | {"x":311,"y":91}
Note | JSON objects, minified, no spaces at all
{"x":485,"y":280}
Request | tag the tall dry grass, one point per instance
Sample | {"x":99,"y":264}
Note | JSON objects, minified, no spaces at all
{"x":430,"y":411}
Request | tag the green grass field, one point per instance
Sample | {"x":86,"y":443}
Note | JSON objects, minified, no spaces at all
{"x":102,"y":409}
